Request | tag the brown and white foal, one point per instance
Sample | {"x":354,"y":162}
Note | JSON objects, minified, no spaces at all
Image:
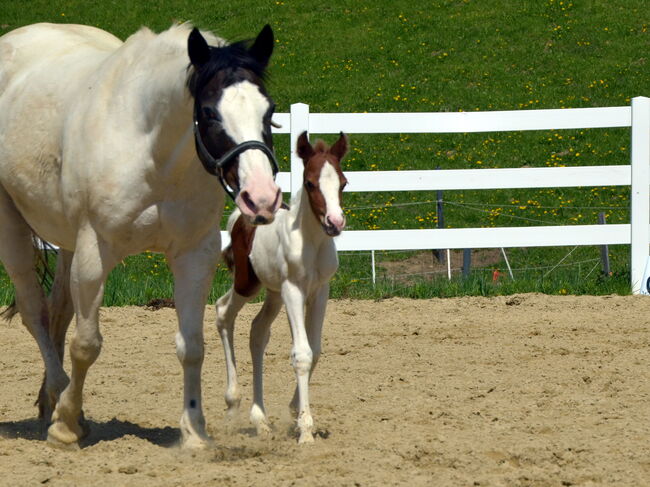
{"x":293,"y":258}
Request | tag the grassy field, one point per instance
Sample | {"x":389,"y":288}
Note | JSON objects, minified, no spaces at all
{"x":462,"y":55}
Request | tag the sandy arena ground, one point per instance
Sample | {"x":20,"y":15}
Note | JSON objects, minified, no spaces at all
{"x":526,"y":390}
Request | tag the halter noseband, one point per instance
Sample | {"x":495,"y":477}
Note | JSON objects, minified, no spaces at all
{"x":217,"y":167}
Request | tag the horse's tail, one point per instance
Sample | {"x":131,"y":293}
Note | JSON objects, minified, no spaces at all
{"x":42,"y":256}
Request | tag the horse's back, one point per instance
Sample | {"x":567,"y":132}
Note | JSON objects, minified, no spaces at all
{"x":22,"y":48}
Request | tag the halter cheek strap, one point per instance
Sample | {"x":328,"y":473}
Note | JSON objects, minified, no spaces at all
{"x":218,"y":167}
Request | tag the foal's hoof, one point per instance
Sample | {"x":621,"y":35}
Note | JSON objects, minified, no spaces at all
{"x":263,"y":429}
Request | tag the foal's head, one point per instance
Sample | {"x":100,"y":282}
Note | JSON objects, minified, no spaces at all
{"x":324,"y":181}
{"x":233,"y":111}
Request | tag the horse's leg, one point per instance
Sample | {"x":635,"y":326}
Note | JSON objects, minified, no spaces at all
{"x":17,"y":255}
{"x":61,"y":313}
{"x":301,"y":356}
{"x":193,"y":272}
{"x":259,"y":338}
{"x":91,"y":263}
{"x":228,"y":306}
{"x":314,"y":317}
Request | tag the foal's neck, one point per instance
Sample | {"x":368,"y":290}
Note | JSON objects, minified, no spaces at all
{"x":303,"y":218}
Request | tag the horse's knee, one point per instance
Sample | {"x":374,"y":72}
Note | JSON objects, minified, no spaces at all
{"x":302,"y":361}
{"x":189,"y":350}
{"x":85,"y":349}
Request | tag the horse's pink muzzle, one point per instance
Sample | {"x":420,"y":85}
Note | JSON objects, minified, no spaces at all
{"x":259,"y":202}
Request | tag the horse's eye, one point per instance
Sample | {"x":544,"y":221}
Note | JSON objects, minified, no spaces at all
{"x":309,"y":185}
{"x":343,"y":185}
{"x":209,"y":114}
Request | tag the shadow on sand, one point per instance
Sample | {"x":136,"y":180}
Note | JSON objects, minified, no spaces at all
{"x":34,"y":429}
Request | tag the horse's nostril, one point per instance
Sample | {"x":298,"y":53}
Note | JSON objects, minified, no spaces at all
{"x":246,"y":198}
{"x":260,"y":220}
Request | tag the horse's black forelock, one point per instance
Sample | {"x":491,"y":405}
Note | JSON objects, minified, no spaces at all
{"x":229,"y":58}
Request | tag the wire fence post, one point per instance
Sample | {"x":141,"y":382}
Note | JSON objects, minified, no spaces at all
{"x":604,"y":249}
{"x":438,"y":254}
{"x":505,"y":257}
{"x":467,"y":262}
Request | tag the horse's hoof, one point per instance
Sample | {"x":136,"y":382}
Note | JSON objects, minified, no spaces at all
{"x":61,"y":436}
{"x":59,"y":445}
{"x":306,"y":438}
{"x":196,"y":443}
{"x":62,"y":441}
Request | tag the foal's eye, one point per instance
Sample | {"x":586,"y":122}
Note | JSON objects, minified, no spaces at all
{"x":343,"y":185}
{"x":309,"y":185}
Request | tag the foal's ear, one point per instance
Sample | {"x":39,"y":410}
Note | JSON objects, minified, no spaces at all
{"x":304,"y":148}
{"x":340,"y":147}
{"x":197,"y":48}
{"x":262,"y":48}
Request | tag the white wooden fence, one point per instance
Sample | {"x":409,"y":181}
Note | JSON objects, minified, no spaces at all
{"x":636,"y":175}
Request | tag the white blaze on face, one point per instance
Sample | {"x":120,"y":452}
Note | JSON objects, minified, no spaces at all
{"x":330,"y":185}
{"x":242,"y":108}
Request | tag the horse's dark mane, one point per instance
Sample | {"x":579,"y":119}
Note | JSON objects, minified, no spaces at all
{"x":228,"y":58}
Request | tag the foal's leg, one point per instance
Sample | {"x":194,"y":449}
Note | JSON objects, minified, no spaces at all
{"x":91,"y":263}
{"x":228,"y":306}
{"x":193,"y":273}
{"x":301,"y":356}
{"x":61,"y":313}
{"x":314,"y":317}
{"x":259,"y":338}
{"x":17,"y":255}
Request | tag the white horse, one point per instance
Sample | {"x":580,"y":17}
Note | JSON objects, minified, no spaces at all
{"x":294,"y":259}
{"x":97,"y":157}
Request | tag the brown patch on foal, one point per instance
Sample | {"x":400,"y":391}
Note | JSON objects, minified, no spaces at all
{"x":236,"y":257}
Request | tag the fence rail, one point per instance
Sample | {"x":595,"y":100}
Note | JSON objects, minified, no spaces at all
{"x":637,"y":175}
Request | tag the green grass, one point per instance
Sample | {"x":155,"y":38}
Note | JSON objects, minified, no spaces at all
{"x":397,"y":55}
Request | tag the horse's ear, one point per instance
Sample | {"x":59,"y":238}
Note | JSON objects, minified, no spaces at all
{"x":262,"y":48}
{"x":198,"y":49}
{"x":304,"y":148}
{"x":340,"y":147}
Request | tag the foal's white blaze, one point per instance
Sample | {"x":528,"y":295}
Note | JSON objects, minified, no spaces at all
{"x":330,"y":184}
{"x":242,"y":108}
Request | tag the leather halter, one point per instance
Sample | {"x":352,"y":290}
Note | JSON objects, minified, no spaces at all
{"x":218,"y":167}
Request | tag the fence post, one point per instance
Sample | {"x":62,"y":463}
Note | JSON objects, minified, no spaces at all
{"x":299,"y":123}
{"x":640,"y":191}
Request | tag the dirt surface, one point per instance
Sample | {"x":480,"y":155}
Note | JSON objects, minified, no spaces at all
{"x":526,"y":390}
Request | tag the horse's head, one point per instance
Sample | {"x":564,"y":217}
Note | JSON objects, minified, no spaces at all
{"x":324,"y":181}
{"x":232,"y":120}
